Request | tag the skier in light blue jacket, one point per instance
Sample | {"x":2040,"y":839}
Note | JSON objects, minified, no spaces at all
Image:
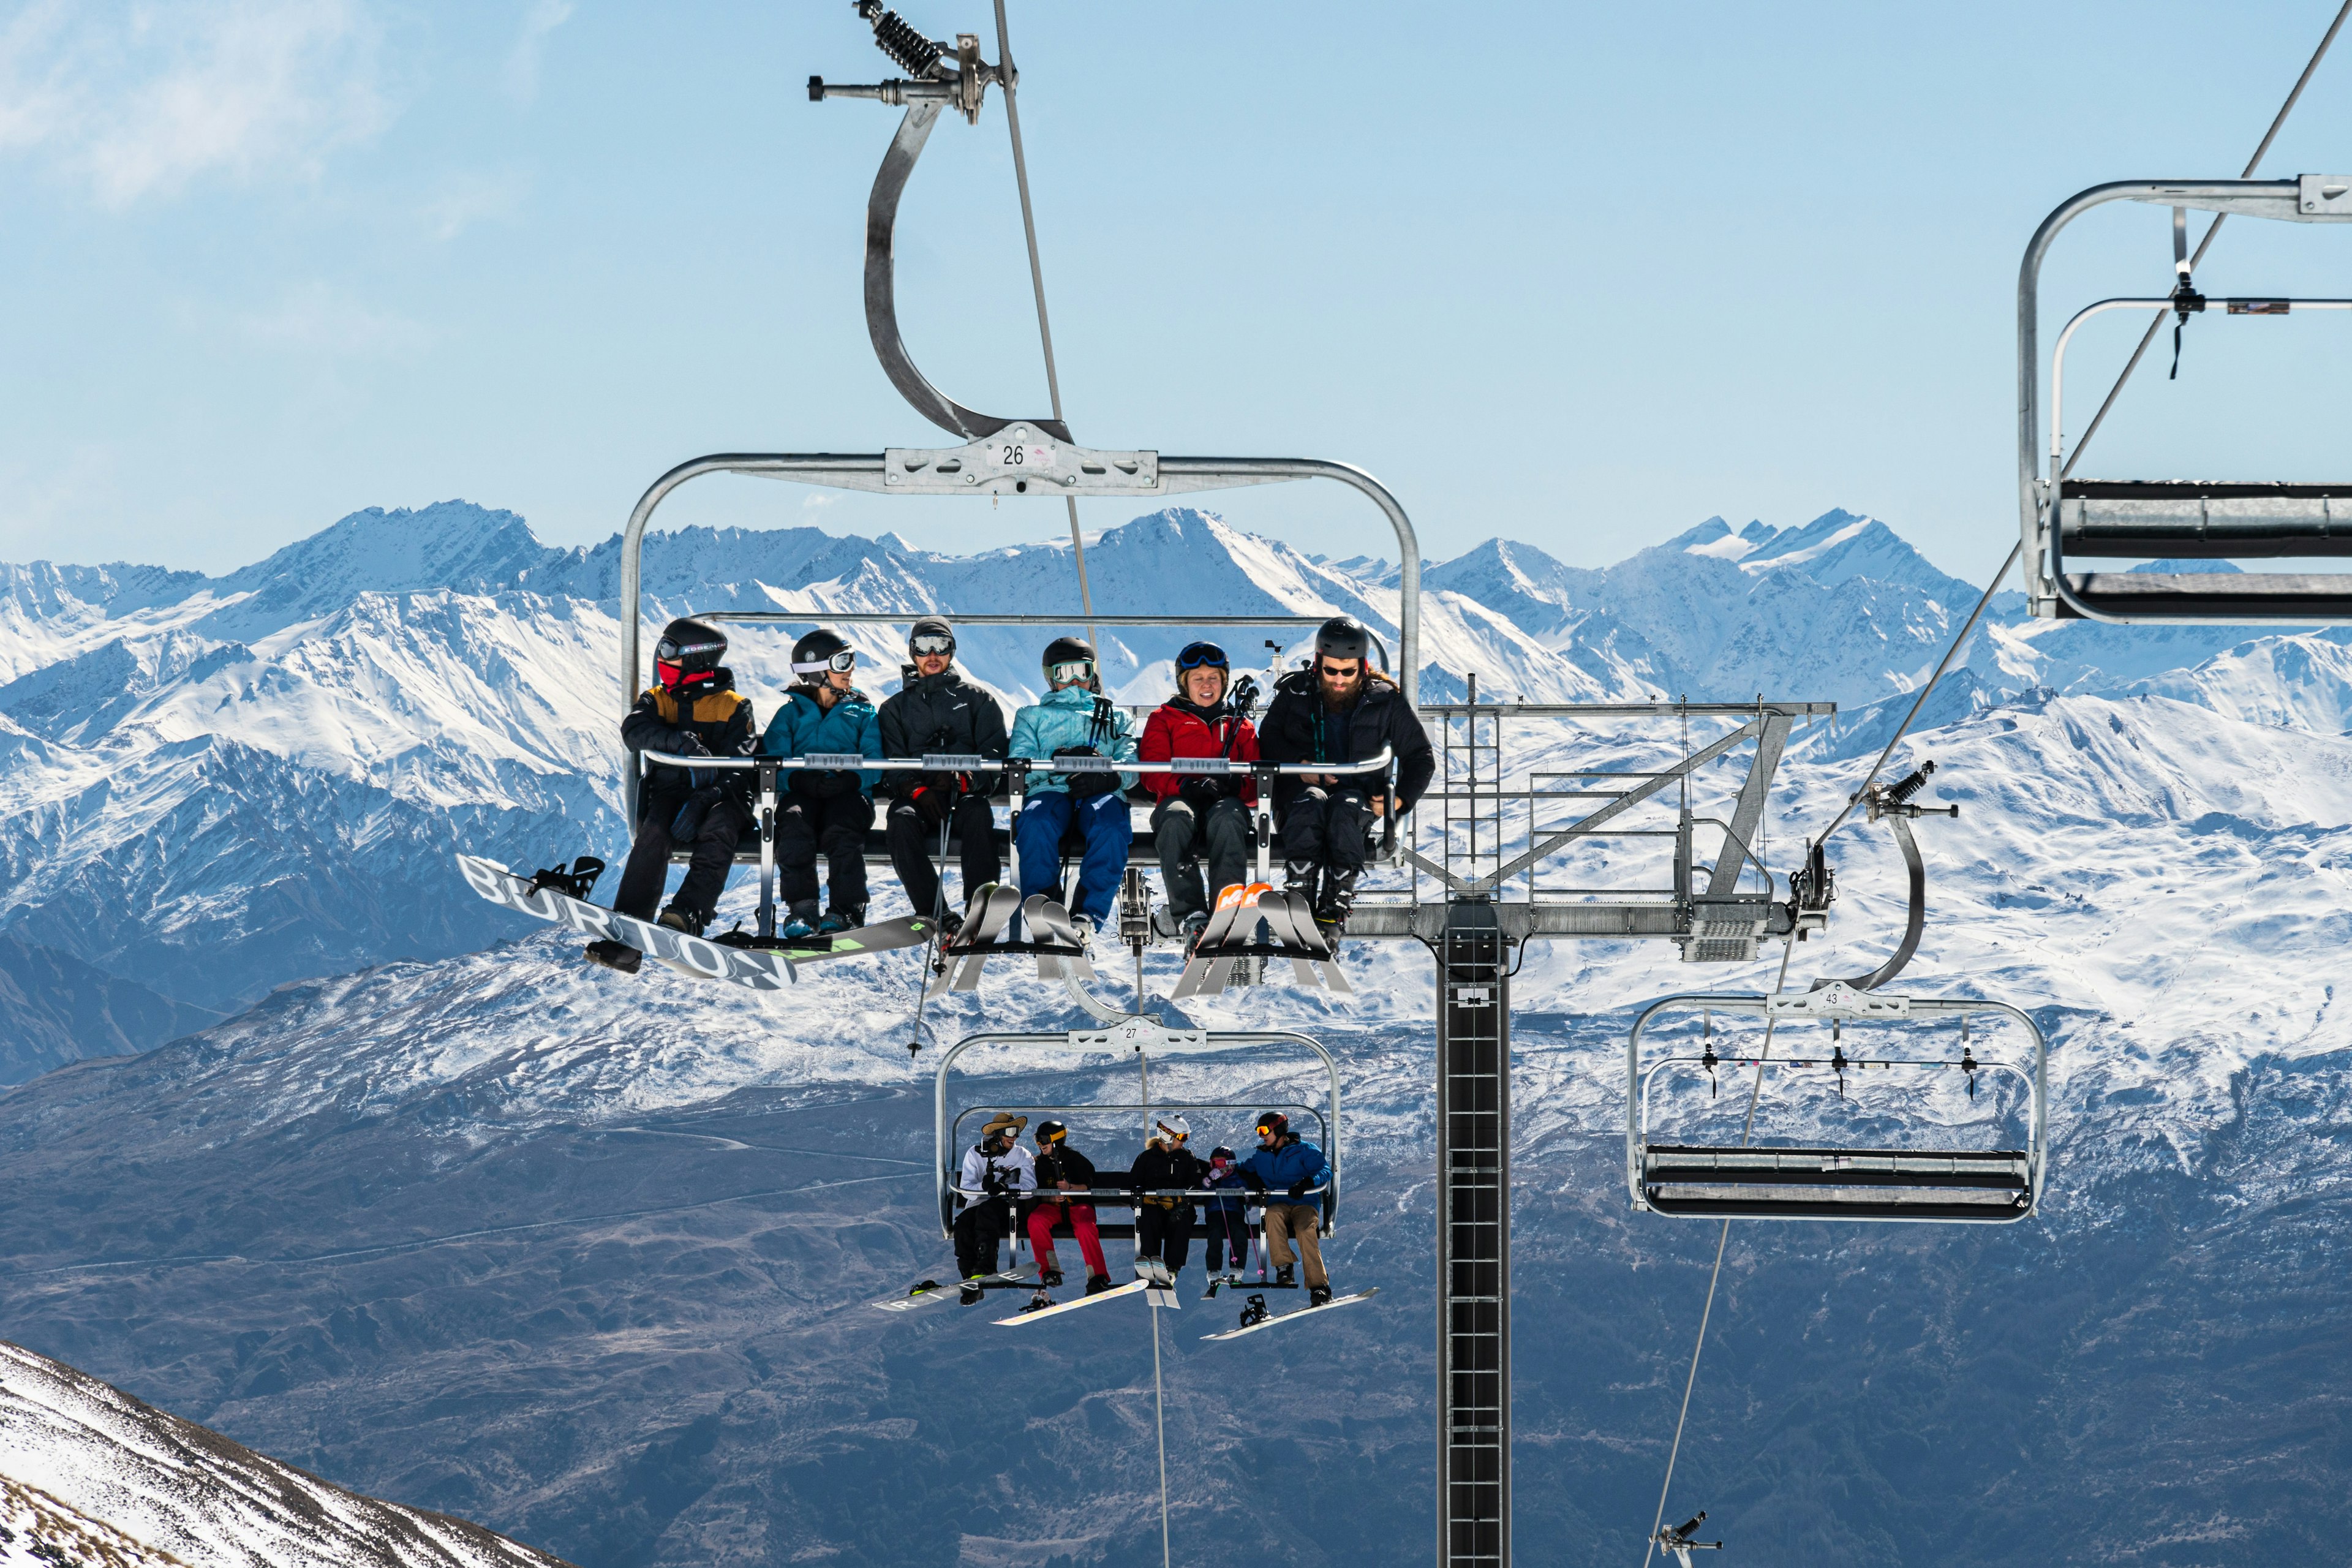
{"x":1074,"y":719}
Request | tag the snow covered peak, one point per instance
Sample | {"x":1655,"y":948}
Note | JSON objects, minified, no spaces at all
{"x":451,"y":544}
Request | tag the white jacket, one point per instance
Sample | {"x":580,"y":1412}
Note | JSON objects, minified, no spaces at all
{"x":1015,"y":1171}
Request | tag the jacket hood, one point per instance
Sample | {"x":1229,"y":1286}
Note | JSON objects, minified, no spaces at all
{"x":1068,"y":697}
{"x":851,"y":701}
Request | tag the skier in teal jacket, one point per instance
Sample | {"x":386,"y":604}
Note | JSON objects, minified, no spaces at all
{"x":827,"y":809}
{"x":1075,"y":720}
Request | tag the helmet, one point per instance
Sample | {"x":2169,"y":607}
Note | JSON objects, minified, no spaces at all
{"x":925,"y":635}
{"x":1175,"y":1126}
{"x":821,"y":651}
{"x":1196,"y":654}
{"x":1063,"y":653}
{"x":689,"y":651}
{"x":1343,"y":636}
{"x":1273,"y":1121}
{"x":1051,"y":1133}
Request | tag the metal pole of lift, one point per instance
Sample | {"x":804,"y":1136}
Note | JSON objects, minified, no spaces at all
{"x":1474,"y":1239}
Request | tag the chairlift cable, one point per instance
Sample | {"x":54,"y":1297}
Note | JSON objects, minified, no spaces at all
{"x":2156,"y":322}
{"x":1721,"y":1241}
{"x":2269,"y":136}
{"x":1037,"y":285}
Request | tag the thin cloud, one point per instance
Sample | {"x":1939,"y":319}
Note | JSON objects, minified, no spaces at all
{"x":319,"y":319}
{"x":466,"y":199}
{"x":540,"y":18}
{"x":138,"y":100}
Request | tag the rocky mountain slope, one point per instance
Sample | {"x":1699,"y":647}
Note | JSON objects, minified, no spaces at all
{"x":90,"y":1475}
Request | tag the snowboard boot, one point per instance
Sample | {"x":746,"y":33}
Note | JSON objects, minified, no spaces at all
{"x":1284,"y":1277}
{"x":837,"y":920}
{"x":802,"y":925}
{"x":1050,"y":1277}
{"x":972,"y":1295}
{"x":1318,"y":1295}
{"x":690,"y":922}
{"x":617,"y":955}
{"x":1098,"y":1283}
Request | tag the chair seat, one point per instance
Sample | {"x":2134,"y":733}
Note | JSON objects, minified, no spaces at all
{"x":1837,"y":1183}
{"x":2202,"y":520}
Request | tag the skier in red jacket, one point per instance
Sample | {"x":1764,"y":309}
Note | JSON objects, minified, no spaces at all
{"x":1196,"y":810}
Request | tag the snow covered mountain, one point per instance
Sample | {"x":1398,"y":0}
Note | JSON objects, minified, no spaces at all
{"x":89,"y":1475}
{"x":452,"y":1218}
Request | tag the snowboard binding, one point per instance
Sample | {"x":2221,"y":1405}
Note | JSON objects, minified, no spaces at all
{"x":1254,"y":1311}
{"x":574,"y":883}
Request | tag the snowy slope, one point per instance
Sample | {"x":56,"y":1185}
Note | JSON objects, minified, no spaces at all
{"x":144,"y":1487}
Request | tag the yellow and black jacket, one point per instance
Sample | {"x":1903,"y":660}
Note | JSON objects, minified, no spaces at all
{"x":715,"y":713}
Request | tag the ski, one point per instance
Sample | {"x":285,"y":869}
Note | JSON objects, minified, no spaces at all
{"x":933,"y":1291}
{"x":990,"y":910}
{"x":1322,"y":952}
{"x":1040,"y":1314}
{"x":1048,"y":924}
{"x":1271,"y":1320}
{"x":689,"y":955}
{"x":1207,"y":969}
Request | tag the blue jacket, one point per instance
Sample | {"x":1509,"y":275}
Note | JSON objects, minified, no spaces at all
{"x":1064,"y":720}
{"x":1282,"y":1169}
{"x":801,"y":727}
{"x":1232,"y":1182}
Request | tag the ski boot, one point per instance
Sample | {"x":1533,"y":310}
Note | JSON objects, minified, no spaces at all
{"x":971,"y":1294}
{"x":1318,"y":1295}
{"x":1098,"y":1283}
{"x":802,"y":925}
{"x":837,"y":920}
{"x":1049,"y":1278}
{"x":1152,"y":1268}
{"x":1286,"y":1277}
{"x":950,"y":922}
{"x":1191,"y":927}
{"x":1338,"y":896}
{"x":1253,"y":1311}
{"x":617,"y":955}
{"x":1299,"y":877}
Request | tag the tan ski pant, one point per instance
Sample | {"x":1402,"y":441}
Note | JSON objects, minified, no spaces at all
{"x":1304,"y":1222}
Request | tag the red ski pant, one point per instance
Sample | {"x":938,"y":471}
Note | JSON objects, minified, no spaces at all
{"x":1081,"y":1216}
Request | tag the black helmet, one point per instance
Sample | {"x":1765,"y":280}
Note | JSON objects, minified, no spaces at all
{"x":819,"y":652}
{"x":931,"y":631}
{"x":1064,"y":651}
{"x":1273,"y":1121}
{"x":689,"y":651}
{"x":1051,"y":1133}
{"x":1343,"y":636}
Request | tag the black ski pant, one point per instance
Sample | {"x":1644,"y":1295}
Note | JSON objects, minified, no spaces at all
{"x":1181,"y":828}
{"x":1226,"y":1232}
{"x":834,"y":824}
{"x":977,"y":1231}
{"x":913,"y":842}
{"x":1328,"y":828}
{"x":1164,"y":1234}
{"x":722,"y":828}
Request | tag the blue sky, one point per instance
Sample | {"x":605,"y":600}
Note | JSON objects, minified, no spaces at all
{"x":1577,"y":275}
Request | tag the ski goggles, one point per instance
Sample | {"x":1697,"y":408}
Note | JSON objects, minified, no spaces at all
{"x":843,"y":661}
{"x":1197,"y":654}
{"x":1070,"y":672}
{"x":925,"y":644}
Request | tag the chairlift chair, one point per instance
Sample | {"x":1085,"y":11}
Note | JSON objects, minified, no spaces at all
{"x":2064,"y":519}
{"x":1999,"y":1186}
{"x":1141,"y":1038}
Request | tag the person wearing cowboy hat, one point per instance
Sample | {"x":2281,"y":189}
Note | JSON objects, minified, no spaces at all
{"x":997,"y":1175}
{"x":1163,"y":1222}
{"x":1062,"y":1168}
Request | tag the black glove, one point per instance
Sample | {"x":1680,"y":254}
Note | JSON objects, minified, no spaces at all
{"x":931,"y":803}
{"x":1252,"y":1181}
{"x":1298,"y":1188}
{"x":690,"y":744}
{"x":1202,"y":792}
{"x":1085,"y":786}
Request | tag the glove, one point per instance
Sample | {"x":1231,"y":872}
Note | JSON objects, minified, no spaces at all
{"x":1298,"y":1188}
{"x":930,"y":804}
{"x":1085,"y":786}
{"x":690,"y":744}
{"x":1203,"y":792}
{"x":1252,"y":1181}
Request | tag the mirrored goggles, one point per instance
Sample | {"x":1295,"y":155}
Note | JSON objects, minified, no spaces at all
{"x":1071,"y":671}
{"x":845,"y":661}
{"x":1197,"y":654}
{"x":930,"y":642}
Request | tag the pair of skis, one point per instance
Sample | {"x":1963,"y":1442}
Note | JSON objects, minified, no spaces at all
{"x":737,"y":960}
{"x":1228,"y":941}
{"x":1060,"y":951}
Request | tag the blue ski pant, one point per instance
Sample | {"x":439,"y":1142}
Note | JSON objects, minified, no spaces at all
{"x":1102,"y":819}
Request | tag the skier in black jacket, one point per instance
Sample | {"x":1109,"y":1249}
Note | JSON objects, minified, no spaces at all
{"x":691,"y":709}
{"x":1061,"y":1168}
{"x":1163,"y":1226}
{"x":937,"y":709}
{"x":1339,"y":711}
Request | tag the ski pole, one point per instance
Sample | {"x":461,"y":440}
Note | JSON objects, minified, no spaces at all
{"x":939,"y":919}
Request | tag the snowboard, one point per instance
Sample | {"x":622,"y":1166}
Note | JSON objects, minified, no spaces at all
{"x":1335,"y":1302}
{"x":933,"y":1291}
{"x":1042,"y":1314}
{"x":690,"y":955}
{"x":880,"y":936}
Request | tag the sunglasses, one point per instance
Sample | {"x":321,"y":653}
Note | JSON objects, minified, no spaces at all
{"x":930,"y":642}
{"x":1197,"y":654}
{"x":846,"y":659}
{"x":1073,"y":670}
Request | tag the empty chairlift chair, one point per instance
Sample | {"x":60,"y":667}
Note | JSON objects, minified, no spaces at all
{"x":2067,"y":521}
{"x":1885,"y":1178}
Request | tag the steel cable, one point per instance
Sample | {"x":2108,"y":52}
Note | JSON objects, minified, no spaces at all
{"x":1037,"y":285}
